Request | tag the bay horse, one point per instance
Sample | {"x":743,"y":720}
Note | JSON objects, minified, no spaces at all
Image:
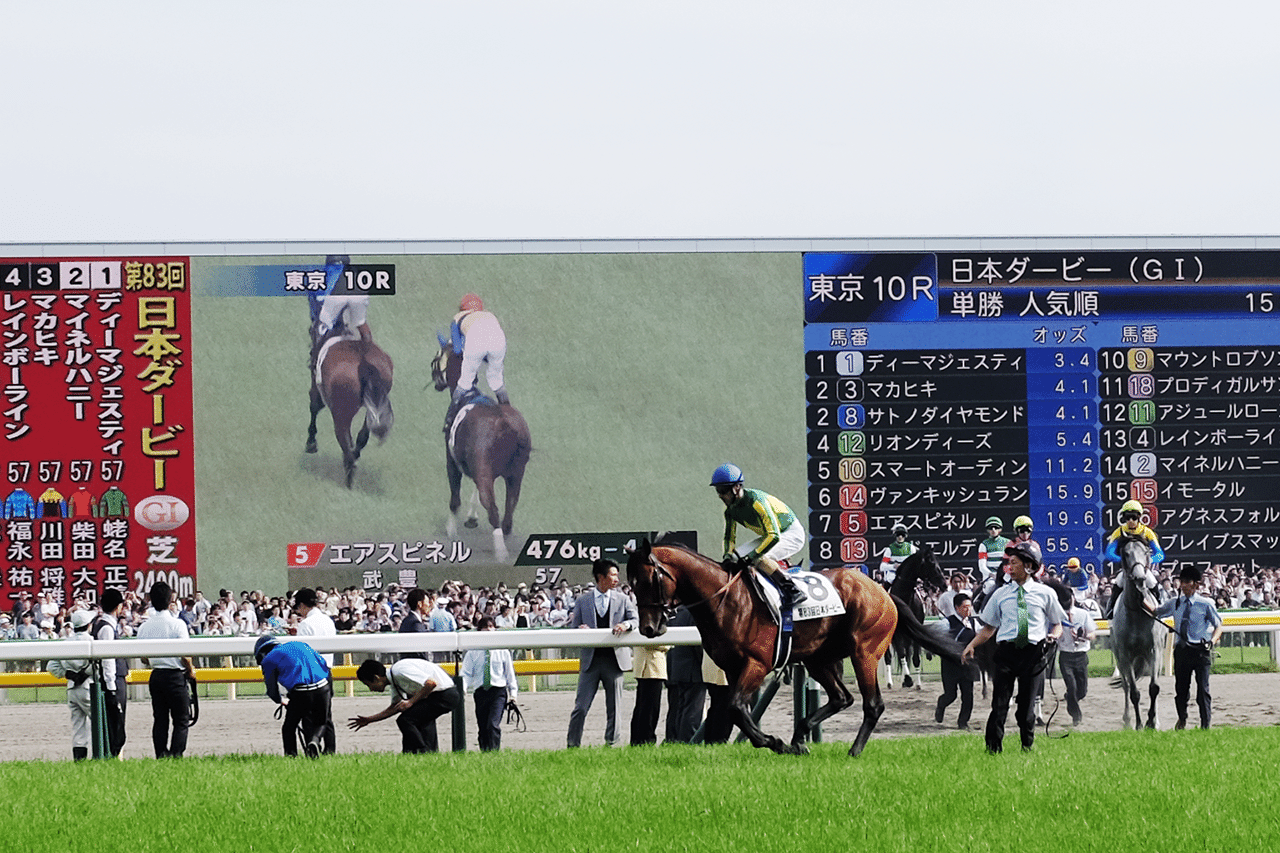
{"x":490,"y":441}
{"x":739,"y":634}
{"x":1137,"y":638}
{"x":354,"y":373}
{"x":919,"y":567}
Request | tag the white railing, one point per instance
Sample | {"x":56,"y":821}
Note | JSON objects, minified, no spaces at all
{"x":534,"y":638}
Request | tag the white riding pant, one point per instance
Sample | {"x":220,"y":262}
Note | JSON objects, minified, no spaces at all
{"x":789,"y":543}
{"x":486,"y":344}
{"x":78,"y":701}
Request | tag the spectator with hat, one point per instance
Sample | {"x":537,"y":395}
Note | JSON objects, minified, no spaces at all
{"x":1023,"y":616}
{"x":79,"y":675}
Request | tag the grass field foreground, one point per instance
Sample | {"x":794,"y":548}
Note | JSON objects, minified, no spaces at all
{"x":1148,"y":791}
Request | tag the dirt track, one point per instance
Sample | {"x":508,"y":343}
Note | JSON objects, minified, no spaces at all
{"x":43,"y":732}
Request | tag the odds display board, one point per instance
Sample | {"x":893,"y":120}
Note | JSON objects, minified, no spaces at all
{"x":944,"y":388}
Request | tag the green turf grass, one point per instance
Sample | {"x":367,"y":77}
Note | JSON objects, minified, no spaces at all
{"x":1140,"y":791}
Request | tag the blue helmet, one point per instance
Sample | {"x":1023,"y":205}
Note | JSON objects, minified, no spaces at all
{"x":726,"y":475}
{"x":264,"y":645}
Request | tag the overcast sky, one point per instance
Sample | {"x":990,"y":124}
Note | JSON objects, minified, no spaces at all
{"x":229,"y":121}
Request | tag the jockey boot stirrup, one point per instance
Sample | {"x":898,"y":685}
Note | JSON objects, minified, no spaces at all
{"x":790,"y":594}
{"x":501,"y":396}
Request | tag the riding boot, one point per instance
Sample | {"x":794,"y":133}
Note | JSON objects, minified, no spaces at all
{"x":791,"y":596}
{"x":79,"y":753}
{"x":501,"y":396}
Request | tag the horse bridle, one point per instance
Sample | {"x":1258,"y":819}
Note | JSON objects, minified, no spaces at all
{"x":669,"y":605}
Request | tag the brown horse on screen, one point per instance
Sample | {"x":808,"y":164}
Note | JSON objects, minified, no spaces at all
{"x":486,"y":442}
{"x":739,"y":635}
{"x":354,"y":373}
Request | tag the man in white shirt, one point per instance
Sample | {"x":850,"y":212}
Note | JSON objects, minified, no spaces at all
{"x":490,"y":675}
{"x":420,"y":692}
{"x":316,"y":623}
{"x":168,"y":684}
{"x":1024,"y":616}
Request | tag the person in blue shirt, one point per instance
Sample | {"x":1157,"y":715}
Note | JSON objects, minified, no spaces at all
{"x":1197,"y":627}
{"x":304,"y":675}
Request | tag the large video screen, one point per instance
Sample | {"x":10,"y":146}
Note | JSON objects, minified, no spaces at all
{"x":156,"y":409}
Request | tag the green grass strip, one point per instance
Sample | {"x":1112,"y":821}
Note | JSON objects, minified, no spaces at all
{"x":1149,"y":791}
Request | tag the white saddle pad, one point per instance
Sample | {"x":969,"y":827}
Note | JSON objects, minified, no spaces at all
{"x":821,"y":598}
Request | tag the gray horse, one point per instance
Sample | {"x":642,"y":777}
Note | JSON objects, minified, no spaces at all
{"x":1137,"y":639}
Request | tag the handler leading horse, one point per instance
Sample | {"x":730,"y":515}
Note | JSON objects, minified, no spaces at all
{"x":739,"y":634}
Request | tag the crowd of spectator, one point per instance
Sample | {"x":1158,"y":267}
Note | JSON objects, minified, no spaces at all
{"x":353,"y":610}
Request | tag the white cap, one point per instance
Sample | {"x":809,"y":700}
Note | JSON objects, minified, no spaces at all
{"x":442,"y":602}
{"x":81,"y":619}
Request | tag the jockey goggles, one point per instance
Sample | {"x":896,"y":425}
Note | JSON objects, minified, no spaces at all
{"x":1130,"y":516}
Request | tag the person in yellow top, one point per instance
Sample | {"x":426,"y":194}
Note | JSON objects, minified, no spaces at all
{"x":779,"y":533}
{"x":1131,"y":525}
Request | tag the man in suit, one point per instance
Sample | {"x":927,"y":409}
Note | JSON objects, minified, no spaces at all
{"x":959,"y":678}
{"x":415,"y":619}
{"x":603,"y":606}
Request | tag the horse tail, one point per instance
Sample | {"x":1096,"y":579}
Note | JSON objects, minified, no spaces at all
{"x":936,"y":642}
{"x":378,"y":414}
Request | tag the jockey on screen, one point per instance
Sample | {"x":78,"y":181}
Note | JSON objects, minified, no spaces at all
{"x":897,"y":551}
{"x":779,"y":533}
{"x":476,"y":335}
{"x":1131,"y":524}
{"x":335,"y":316}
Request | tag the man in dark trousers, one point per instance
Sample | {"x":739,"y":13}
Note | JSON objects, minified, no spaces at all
{"x":490,"y":676}
{"x":169,"y":697}
{"x":1024,"y":616}
{"x":602,"y":606}
{"x":686,"y":694}
{"x":421,"y":692}
{"x":959,"y":678}
{"x":305,"y":677}
{"x":1197,"y":627}
{"x":115,"y":692}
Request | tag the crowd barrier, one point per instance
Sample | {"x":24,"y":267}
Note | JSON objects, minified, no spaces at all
{"x":1259,"y":622}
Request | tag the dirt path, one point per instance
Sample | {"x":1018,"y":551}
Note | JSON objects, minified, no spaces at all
{"x":43,"y":732}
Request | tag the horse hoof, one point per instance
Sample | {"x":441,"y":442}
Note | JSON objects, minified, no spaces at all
{"x":907,"y":682}
{"x":311,"y":446}
{"x":471,"y":523}
{"x":799,"y":748}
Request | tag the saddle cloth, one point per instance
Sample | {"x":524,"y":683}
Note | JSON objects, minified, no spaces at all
{"x":351,"y":335}
{"x":821,"y":598}
{"x":453,"y":427}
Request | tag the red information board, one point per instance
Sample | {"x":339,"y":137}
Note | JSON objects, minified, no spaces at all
{"x":96,"y":426}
